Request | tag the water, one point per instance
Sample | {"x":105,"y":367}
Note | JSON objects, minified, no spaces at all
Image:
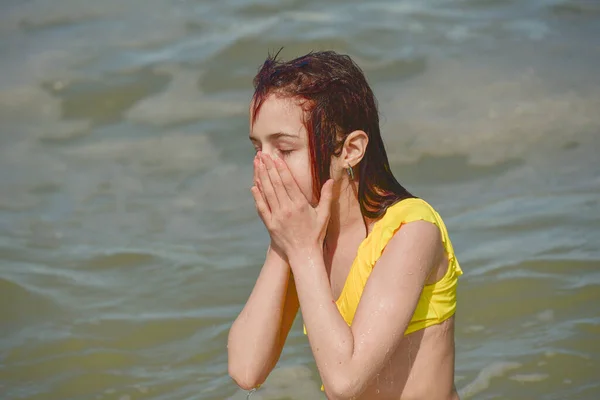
{"x":128,"y":238}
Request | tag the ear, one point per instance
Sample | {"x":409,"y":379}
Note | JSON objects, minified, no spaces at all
{"x":354,"y":148}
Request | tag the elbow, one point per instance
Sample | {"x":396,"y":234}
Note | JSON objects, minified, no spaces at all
{"x":243,"y":377}
{"x":342,"y":388}
{"x":243,"y":373}
{"x":247,"y":370}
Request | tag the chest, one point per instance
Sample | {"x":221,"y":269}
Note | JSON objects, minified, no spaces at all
{"x":339,"y":261}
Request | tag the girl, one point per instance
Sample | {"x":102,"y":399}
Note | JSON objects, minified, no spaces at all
{"x":370,"y":265}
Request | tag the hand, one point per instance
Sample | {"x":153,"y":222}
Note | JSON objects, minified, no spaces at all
{"x":292,"y":222}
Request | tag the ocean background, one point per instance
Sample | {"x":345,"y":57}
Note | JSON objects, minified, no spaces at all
{"x":128,"y":236}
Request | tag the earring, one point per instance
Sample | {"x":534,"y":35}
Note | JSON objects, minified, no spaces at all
{"x":350,"y":173}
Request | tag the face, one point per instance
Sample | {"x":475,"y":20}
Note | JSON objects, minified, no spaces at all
{"x":279,"y":132}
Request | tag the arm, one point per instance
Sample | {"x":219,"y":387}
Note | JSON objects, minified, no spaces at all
{"x":258,"y":334}
{"x":348,"y":358}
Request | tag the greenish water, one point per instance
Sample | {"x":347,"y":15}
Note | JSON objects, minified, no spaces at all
{"x":128,"y":236}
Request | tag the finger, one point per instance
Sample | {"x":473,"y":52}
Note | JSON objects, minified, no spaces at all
{"x":255,"y":169}
{"x":324,"y":206}
{"x":278,"y":187}
{"x":261,"y":205}
{"x":266,"y":185}
{"x":289,"y":183}
{"x":256,"y":177}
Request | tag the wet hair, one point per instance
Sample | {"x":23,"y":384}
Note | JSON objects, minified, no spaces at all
{"x":337,"y":100}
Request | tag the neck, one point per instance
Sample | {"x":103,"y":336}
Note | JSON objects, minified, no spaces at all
{"x":345,"y":214}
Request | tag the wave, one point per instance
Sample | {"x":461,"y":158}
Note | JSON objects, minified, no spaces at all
{"x":20,"y":305}
{"x":183,"y":103}
{"x":486,"y":110}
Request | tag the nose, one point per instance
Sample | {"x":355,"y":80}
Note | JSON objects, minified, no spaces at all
{"x":269,"y":150}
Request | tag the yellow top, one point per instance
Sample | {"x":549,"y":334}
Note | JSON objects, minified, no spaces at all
{"x":438,"y":300}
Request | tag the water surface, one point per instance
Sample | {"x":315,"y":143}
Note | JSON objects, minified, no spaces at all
{"x":128,"y":236}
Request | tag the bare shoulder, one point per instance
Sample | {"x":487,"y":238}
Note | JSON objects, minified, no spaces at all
{"x":418,"y":238}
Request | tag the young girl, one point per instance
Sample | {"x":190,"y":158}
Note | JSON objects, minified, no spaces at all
{"x":370,"y":265}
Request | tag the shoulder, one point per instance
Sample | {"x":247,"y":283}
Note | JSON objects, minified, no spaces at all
{"x":408,"y":227}
{"x":417,"y":237}
{"x":413,"y":252}
{"x":412,"y":228}
{"x":413,"y":211}
{"x":410,"y":210}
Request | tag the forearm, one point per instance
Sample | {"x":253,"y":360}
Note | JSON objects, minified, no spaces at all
{"x":330,"y":338}
{"x":256,"y":337}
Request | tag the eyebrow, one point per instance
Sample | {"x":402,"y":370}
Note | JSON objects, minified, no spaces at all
{"x":278,"y":135}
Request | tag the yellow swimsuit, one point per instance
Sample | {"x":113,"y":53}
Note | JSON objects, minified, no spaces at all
{"x":438,"y":300}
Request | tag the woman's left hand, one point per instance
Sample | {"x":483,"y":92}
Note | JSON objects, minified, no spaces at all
{"x":293,"y":224}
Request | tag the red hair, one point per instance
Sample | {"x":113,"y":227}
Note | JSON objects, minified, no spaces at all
{"x":337,"y":100}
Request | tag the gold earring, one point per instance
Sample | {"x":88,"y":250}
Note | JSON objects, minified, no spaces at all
{"x":350,"y":173}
